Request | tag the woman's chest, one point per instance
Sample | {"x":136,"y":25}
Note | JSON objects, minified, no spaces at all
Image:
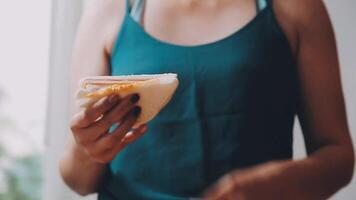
{"x":196,"y":22}
{"x":231,"y":76}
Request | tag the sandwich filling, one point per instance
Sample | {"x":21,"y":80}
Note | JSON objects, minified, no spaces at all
{"x":98,"y":87}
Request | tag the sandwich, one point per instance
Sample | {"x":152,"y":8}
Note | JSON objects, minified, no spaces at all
{"x":155,"y":91}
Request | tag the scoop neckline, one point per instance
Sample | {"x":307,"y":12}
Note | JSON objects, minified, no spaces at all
{"x":234,"y":34}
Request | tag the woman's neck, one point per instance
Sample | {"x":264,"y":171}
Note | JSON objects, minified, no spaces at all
{"x":194,"y":3}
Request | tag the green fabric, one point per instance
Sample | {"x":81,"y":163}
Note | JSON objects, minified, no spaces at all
{"x":234,"y":108}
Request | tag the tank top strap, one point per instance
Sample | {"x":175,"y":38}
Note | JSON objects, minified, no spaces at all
{"x":261,"y":4}
{"x":128,"y":6}
{"x":137,"y":10}
{"x":269,"y":2}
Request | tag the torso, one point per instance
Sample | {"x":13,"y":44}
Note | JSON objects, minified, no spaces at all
{"x":234,"y":107}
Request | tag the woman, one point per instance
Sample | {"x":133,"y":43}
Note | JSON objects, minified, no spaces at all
{"x":246,"y":68}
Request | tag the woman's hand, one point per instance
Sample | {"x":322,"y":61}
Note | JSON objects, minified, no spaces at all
{"x":260,"y":182}
{"x":230,"y":187}
{"x":90,"y":127}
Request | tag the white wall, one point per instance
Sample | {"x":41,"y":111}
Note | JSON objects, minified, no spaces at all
{"x":65,"y":17}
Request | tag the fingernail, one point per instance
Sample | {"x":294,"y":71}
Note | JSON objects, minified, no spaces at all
{"x":135,"y":98}
{"x":113,"y":98}
{"x":137,"y":111}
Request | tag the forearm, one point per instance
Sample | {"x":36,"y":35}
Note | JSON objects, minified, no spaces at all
{"x":316,"y":177}
{"x":79,"y":172}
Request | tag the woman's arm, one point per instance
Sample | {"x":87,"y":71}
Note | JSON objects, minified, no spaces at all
{"x":330,"y":162}
{"x":89,"y":58}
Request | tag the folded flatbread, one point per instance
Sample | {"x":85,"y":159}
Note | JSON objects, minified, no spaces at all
{"x":155,"y":91}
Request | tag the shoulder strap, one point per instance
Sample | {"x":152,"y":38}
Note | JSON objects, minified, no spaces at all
{"x":269,"y":2}
{"x":128,"y":6}
{"x":261,"y":4}
{"x":137,"y":10}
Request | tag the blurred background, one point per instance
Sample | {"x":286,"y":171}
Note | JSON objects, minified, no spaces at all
{"x":35,"y":46}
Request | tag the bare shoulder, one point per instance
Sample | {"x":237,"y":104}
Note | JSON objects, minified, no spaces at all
{"x":303,"y":12}
{"x":101,"y":20}
{"x":98,"y":25}
{"x":298,"y":16}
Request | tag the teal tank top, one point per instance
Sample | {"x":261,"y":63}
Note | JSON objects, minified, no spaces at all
{"x":234,"y":108}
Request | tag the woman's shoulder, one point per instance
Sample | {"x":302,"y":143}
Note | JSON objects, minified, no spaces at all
{"x":295,"y":16}
{"x":300,"y":12}
{"x":101,"y":21}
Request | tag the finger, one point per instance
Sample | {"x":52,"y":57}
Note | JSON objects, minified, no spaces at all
{"x":113,"y":116}
{"x":131,"y":137}
{"x":126,"y":125}
{"x":135,"y":134}
{"x":221,"y":190}
{"x":92,"y":113}
{"x":100,"y":127}
{"x":109,"y":141}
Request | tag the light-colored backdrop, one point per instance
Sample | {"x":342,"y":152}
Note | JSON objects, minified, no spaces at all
{"x":65,"y":17}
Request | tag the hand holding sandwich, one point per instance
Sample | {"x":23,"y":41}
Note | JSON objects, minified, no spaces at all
{"x":90,"y":127}
{"x":105,"y":101}
{"x":130,"y":101}
{"x":90,"y":145}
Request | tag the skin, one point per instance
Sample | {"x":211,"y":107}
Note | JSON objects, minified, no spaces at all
{"x":330,"y":161}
